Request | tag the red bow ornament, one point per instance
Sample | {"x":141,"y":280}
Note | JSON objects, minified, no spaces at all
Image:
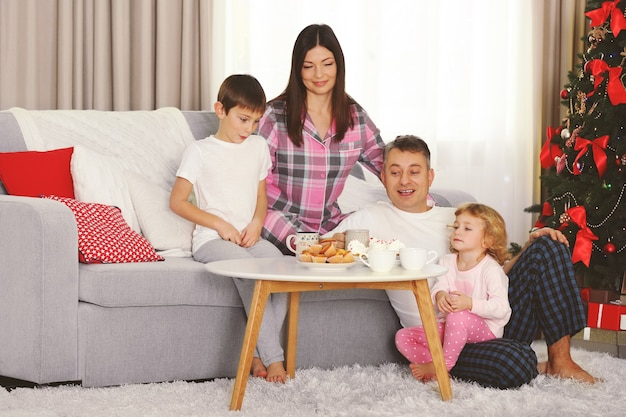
{"x":597,"y":147}
{"x":614,"y":88}
{"x":546,"y":212}
{"x":596,"y":67}
{"x":550,"y":151}
{"x":583,"y":246}
{"x":608,"y":8}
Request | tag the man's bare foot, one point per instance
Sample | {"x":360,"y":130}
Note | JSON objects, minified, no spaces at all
{"x":561,"y":365}
{"x":276,"y":373}
{"x":423,"y":371}
{"x":569,"y":370}
{"x":257,"y":369}
{"x":542,"y":367}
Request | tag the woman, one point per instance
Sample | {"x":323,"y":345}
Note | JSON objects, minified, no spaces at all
{"x":316,"y":133}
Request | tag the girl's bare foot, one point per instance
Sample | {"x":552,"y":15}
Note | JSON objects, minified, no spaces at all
{"x":423,"y":371}
{"x":276,"y":373}
{"x":257,"y":369}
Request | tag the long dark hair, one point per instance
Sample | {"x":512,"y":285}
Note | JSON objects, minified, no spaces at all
{"x":295,"y":93}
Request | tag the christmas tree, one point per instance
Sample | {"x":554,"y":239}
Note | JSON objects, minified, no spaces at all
{"x":585,"y":157}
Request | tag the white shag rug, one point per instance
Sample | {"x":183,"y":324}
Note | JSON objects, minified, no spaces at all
{"x":386,"y":390}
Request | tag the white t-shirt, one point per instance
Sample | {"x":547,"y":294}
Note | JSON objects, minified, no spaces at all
{"x":225,"y":178}
{"x":426,"y":230}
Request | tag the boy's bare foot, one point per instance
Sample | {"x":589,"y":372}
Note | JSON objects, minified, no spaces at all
{"x":423,"y":371}
{"x":276,"y":373}
{"x":257,"y":369}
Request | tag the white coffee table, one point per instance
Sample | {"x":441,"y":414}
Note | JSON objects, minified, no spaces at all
{"x":288,"y":275}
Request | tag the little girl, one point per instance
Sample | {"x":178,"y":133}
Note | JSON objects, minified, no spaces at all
{"x":472,"y":297}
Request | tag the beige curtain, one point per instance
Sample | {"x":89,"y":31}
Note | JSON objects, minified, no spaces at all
{"x":563,"y":25}
{"x":105,"y":54}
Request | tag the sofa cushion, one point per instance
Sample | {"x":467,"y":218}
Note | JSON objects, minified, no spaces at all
{"x":33,"y":173}
{"x":104,"y":236}
{"x":175,"y":281}
{"x":178,"y":281}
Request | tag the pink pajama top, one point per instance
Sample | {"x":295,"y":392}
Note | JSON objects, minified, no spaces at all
{"x":304,"y":182}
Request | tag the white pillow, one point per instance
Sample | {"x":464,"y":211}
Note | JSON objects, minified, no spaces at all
{"x":358,"y":193}
{"x":100,"y":179}
{"x":164,"y":229}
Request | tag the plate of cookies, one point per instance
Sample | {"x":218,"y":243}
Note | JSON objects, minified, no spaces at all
{"x":326,"y":256}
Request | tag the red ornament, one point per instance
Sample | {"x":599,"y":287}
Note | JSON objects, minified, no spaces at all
{"x":609,"y":248}
{"x":564,"y":94}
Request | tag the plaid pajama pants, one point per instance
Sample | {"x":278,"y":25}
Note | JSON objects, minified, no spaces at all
{"x":543,"y":295}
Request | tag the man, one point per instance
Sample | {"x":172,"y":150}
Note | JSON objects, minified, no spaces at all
{"x":542,"y":289}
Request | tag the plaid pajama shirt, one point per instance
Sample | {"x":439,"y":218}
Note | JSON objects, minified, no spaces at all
{"x":305,"y":182}
{"x":543,"y":295}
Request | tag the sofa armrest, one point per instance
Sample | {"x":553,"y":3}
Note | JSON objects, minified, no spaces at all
{"x":38,"y":290}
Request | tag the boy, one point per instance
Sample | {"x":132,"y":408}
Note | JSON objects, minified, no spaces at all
{"x":227,"y":172}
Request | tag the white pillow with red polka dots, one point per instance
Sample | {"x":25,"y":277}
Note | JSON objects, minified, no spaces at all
{"x":105,"y":237}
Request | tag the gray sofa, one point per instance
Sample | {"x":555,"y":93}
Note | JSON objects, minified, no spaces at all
{"x":112,"y":324}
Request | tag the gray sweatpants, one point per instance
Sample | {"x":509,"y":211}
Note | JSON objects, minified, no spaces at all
{"x":268,"y":346}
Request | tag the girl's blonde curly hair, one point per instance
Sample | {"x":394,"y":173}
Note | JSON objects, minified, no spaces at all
{"x":495,"y":229}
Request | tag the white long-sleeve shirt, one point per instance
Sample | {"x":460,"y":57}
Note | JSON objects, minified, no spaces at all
{"x":486,"y":283}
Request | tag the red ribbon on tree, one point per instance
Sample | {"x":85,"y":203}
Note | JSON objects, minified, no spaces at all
{"x":583,"y":246}
{"x":597,"y":147}
{"x":608,"y":8}
{"x":546,"y":212}
{"x":614,"y":88}
{"x":596,"y":67}
{"x":550,"y":150}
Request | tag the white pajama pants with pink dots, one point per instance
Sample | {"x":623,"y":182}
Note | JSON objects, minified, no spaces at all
{"x":460,"y":328}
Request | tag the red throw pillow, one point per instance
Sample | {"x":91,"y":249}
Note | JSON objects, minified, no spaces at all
{"x":35,"y":173}
{"x":105,"y":237}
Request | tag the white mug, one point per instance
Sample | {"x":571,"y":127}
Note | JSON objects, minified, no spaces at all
{"x":379,"y":260}
{"x":414,"y":259}
{"x":303,"y":241}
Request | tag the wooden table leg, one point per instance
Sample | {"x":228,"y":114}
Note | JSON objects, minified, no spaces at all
{"x":292,"y":333}
{"x":255,"y":316}
{"x":427,"y":313}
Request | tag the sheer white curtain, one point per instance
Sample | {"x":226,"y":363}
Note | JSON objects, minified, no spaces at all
{"x":463,"y":75}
